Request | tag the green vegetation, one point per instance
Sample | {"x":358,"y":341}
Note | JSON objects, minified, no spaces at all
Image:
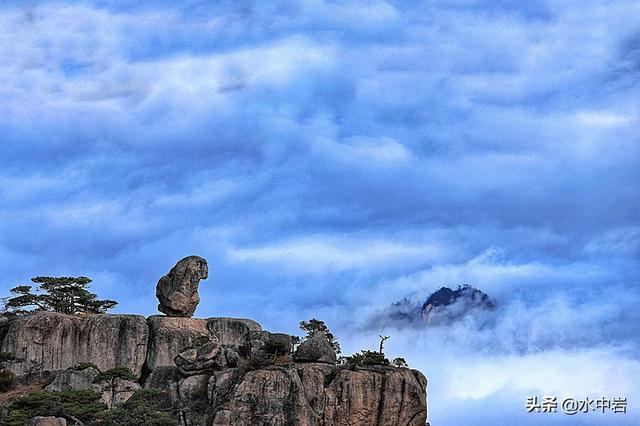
{"x":7,"y":357}
{"x":7,"y":378}
{"x":112,"y":375}
{"x":83,"y":366}
{"x":84,"y":405}
{"x":314,"y":326}
{"x":146,"y":407}
{"x":366,"y":357}
{"x":7,"y":381}
{"x":399,"y":362}
{"x":67,"y":295}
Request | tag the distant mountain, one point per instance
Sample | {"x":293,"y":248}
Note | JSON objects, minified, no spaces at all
{"x":441,"y":307}
{"x":448,"y":305}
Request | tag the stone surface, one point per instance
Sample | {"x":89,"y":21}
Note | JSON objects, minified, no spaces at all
{"x":376,"y":395}
{"x":208,"y":357}
{"x":117,"y":392}
{"x":111,"y":393}
{"x":171,"y":336}
{"x":53,"y":341}
{"x":264,"y":345}
{"x":73,"y":379}
{"x":177,"y":291}
{"x":318,"y":394}
{"x":316,"y":349}
{"x":47,"y":421}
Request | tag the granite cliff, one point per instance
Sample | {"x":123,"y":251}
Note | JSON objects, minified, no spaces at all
{"x":216,"y":371}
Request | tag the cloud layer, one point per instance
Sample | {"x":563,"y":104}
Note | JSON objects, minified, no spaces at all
{"x":331,"y":157}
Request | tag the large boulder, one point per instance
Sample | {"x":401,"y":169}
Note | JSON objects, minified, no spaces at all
{"x":316,"y":349}
{"x":265,"y":346}
{"x":177,"y":291}
{"x":73,"y":379}
{"x":117,"y":391}
{"x":169,"y":336}
{"x":53,"y":341}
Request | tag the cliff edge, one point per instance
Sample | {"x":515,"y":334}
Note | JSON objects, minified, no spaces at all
{"x":216,"y":371}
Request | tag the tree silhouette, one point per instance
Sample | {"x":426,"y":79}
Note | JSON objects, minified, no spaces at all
{"x":314,"y":326}
{"x":67,"y":295}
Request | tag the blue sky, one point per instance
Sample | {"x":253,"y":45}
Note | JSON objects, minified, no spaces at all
{"x":331,"y":157}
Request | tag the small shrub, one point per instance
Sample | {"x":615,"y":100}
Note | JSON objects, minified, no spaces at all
{"x":82,"y":404}
{"x":7,"y":381}
{"x":7,"y":357}
{"x":400,"y":362}
{"x":83,"y":366}
{"x":314,"y":326}
{"x":149,"y":407}
{"x":366,"y":357}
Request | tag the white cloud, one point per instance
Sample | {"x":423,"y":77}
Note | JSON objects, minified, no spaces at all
{"x":322,"y":254}
{"x":603,"y":118}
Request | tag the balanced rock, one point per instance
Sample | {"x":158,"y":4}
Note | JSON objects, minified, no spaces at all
{"x":316,"y":349}
{"x":177,"y":291}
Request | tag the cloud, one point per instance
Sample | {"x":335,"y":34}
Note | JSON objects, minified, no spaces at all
{"x":329,"y":158}
{"x":323,"y":254}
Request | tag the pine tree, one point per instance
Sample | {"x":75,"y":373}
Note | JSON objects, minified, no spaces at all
{"x":314,"y":326}
{"x":67,"y":295}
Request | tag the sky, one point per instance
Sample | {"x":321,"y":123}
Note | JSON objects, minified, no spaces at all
{"x":329,"y":158}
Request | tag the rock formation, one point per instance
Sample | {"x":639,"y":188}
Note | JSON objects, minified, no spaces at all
{"x":317,"y":394}
{"x":169,"y":336}
{"x":52,"y":341}
{"x":316,"y":349}
{"x":215,"y":371}
{"x":177,"y":291}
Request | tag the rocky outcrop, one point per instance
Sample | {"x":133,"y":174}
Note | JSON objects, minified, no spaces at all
{"x":73,"y":379}
{"x":298,"y":394}
{"x":53,"y":341}
{"x":216,"y":371}
{"x":264,"y":346}
{"x":318,"y":394}
{"x":112,"y":393}
{"x":169,"y":336}
{"x":316,"y":349}
{"x":177,"y":291}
